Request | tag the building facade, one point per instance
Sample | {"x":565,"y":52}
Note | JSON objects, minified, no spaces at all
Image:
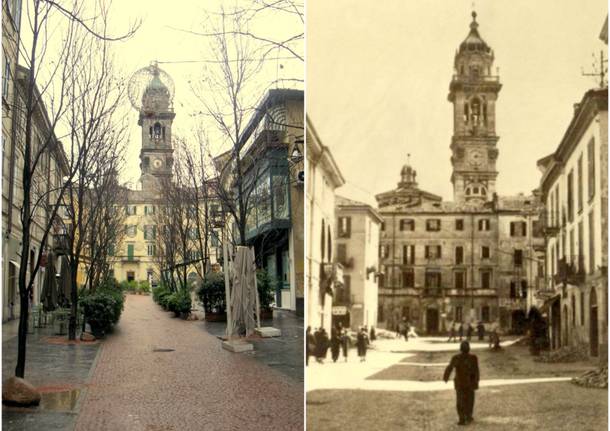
{"x":574,"y":188}
{"x":275,"y":218}
{"x":323,"y":275}
{"x":355,"y":303}
{"x":476,"y":258}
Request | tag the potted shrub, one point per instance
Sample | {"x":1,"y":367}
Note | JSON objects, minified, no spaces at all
{"x":180,"y":303}
{"x":102,"y":309}
{"x":211,"y":294}
{"x":266,"y":292}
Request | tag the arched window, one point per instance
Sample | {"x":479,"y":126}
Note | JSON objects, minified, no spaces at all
{"x":466,"y":112}
{"x":150,"y":131}
{"x":475,"y":114}
{"x":485,"y":113}
{"x":164,"y":133}
{"x":157,"y":131}
{"x":330,"y":246}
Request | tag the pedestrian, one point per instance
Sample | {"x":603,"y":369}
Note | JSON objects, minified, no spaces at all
{"x":407,"y":329}
{"x":452,"y":333}
{"x":401,"y":329}
{"x":493,"y":334}
{"x":373,"y":336}
{"x":461,"y":331}
{"x":344,"y":344}
{"x":466,"y":381}
{"x":325,"y":343}
{"x":361,"y":344}
{"x":319,"y":345}
{"x":310,"y":345}
{"x":468,"y":332}
{"x":481,"y":331}
{"x":335,"y":344}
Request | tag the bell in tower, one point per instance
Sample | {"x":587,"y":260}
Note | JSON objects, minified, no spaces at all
{"x":473,"y":91}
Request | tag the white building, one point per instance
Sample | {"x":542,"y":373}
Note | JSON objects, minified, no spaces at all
{"x":574,"y":188}
{"x":323,"y":177}
{"x":358,"y":229}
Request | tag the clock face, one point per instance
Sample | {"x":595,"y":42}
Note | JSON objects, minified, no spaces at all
{"x":475,"y":158}
{"x":157,"y":163}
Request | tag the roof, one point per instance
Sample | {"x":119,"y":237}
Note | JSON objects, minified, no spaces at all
{"x":317,"y":152}
{"x":474,"y":41}
{"x":343,"y":203}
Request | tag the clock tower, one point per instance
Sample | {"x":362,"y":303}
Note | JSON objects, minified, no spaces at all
{"x":473,"y":91}
{"x":156,"y":117}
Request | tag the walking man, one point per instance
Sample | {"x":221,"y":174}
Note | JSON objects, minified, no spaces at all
{"x":466,"y":381}
{"x":469,"y":332}
{"x":452,"y":333}
{"x":344,"y":343}
{"x":461,"y":331}
{"x":362,"y":344}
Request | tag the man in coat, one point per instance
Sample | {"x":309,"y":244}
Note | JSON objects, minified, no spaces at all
{"x":466,"y":381}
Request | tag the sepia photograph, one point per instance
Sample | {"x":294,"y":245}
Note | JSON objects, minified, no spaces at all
{"x":457,"y":215}
{"x":152,"y":215}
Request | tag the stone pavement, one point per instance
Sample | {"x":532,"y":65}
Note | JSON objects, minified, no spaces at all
{"x":160,"y":373}
{"x":284,"y":353}
{"x":59,"y":371}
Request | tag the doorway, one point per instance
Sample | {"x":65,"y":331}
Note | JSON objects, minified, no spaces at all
{"x":519,"y":322}
{"x":593,"y":324}
{"x":556,"y":325}
{"x":432,"y":321}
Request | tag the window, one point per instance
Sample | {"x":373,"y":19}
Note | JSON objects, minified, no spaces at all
{"x":524,"y":289}
{"x":581,"y":244}
{"x":384,"y":251}
{"x":149,"y":209}
{"x":485,"y":252}
{"x":408,"y":278}
{"x":571,"y":195}
{"x":345,"y":227}
{"x":433,"y":279}
{"x":329,"y":244}
{"x":433,"y":225}
{"x":150,"y":232}
{"x":131,"y":276}
{"x":342,"y":253}
{"x":458,"y":313}
{"x":591,"y":168}
{"x":485,"y":314}
{"x":6,"y":78}
{"x":408,"y":254}
{"x":433,"y":252}
{"x":151,"y":250}
{"x":579,"y":182}
{"x":459,"y":255}
{"x":459,"y":280}
{"x":518,"y":257}
{"x":381,"y":278}
{"x":582,"y":308}
{"x":459,"y":224}
{"x":407,"y":224}
{"x":406,"y":313}
{"x":344,"y":293}
{"x":518,"y":228}
{"x":130,"y":210}
{"x":591,"y":242}
{"x":486,"y":279}
{"x":573,"y":303}
{"x":214,"y":239}
{"x":382,"y":226}
{"x":130,"y":230}
{"x":15,"y":10}
{"x":484,"y":224}
{"x":513,"y":289}
{"x":322,"y":242}
{"x":157,"y":131}
{"x":130,"y":251}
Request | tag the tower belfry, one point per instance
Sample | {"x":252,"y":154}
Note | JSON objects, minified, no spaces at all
{"x":473,"y":91}
{"x":156,"y":117}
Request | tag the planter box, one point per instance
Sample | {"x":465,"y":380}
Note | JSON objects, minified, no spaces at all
{"x":266,"y":315}
{"x":215,"y":317}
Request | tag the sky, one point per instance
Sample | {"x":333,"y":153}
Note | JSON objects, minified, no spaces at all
{"x":378,"y":77}
{"x":184,"y":57}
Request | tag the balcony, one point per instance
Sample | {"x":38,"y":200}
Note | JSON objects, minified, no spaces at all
{"x":551,"y":223}
{"x":61,"y":244}
{"x":433,"y":291}
{"x":570,"y":270}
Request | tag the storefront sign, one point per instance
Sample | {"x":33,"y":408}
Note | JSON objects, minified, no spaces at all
{"x":339,"y":310}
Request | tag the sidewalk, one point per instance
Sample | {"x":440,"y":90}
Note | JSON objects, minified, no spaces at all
{"x":59,"y":371}
{"x":284,"y":353}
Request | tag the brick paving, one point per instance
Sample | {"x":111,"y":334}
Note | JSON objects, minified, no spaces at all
{"x":197,"y":386}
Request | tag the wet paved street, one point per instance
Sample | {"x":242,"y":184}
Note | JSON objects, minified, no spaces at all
{"x":160,"y":373}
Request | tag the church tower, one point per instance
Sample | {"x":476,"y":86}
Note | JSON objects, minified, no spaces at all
{"x":156,"y":117}
{"x":473,"y":91}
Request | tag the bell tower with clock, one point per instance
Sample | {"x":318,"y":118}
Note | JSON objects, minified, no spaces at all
{"x":156,"y":117}
{"x":473,"y":91}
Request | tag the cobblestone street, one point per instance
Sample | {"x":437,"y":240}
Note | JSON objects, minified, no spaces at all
{"x":400,"y":387}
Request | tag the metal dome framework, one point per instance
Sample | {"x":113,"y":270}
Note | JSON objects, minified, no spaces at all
{"x":142,"y":79}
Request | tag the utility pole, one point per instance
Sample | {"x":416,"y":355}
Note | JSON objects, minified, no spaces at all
{"x":602,"y":74}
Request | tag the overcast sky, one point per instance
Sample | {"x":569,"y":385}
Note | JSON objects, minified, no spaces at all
{"x":185,"y":57}
{"x":378,"y":77}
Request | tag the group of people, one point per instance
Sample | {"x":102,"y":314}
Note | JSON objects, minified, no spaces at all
{"x":404,"y":329}
{"x":318,"y":343}
{"x":459,"y":329}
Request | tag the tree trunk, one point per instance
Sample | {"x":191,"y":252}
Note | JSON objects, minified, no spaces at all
{"x":22,"y":334}
{"x":74,"y":303}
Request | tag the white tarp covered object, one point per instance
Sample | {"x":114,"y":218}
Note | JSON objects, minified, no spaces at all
{"x":244,"y":294}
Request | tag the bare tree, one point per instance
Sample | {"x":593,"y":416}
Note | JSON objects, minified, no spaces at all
{"x":43,"y":19}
